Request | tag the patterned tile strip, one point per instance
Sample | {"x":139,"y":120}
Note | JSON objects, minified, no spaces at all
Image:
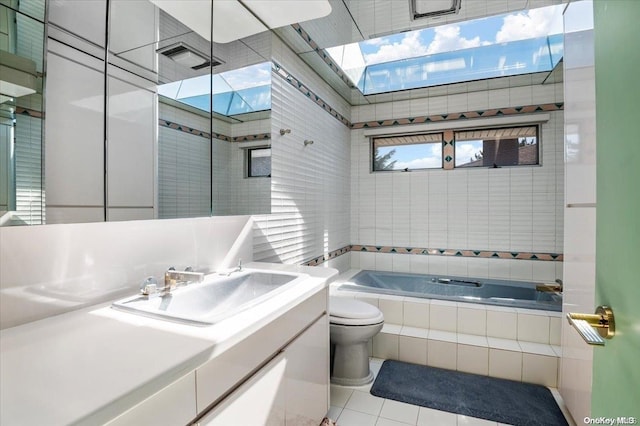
{"x":207,"y":135}
{"x":29,"y":112}
{"x":325,"y":257}
{"x":447,"y":149}
{"x":324,"y":55}
{"x":302,"y":88}
{"x":459,"y":116}
{"x":487,"y":254}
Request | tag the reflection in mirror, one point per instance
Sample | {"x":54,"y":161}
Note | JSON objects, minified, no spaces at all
{"x":21,"y":112}
{"x":201,"y":139}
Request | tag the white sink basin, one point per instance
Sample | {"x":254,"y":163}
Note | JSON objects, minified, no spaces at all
{"x":213,"y":300}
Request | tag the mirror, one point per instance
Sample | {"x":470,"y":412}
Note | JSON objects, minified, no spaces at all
{"x":21,"y":81}
{"x":203,"y":141}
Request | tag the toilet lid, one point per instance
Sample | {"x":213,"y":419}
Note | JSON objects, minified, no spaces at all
{"x":353,"y":311}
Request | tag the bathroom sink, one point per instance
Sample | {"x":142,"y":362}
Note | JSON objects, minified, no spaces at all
{"x":212,"y":300}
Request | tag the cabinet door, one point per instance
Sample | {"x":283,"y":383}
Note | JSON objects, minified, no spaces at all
{"x":258,"y":401}
{"x":307,"y":376}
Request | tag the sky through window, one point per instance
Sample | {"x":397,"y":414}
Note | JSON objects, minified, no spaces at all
{"x":510,"y":44}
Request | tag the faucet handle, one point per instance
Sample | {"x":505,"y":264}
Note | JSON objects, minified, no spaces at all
{"x":149,"y":286}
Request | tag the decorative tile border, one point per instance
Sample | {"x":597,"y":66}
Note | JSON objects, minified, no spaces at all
{"x":186,"y":129}
{"x":29,"y":112}
{"x":302,"y":88}
{"x":325,"y":257}
{"x":527,"y":109}
{"x":201,"y":133}
{"x":324,"y":55}
{"x":448,"y":149}
{"x":485,"y":254}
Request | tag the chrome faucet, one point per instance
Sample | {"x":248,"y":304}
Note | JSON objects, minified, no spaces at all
{"x":236,"y":269}
{"x":173,"y":278}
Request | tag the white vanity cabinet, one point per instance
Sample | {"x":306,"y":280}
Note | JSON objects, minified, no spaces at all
{"x":291,"y":389}
{"x":258,"y":401}
{"x":293,"y":351}
{"x":307,"y":376}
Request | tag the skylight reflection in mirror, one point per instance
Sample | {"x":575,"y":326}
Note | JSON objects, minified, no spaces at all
{"x":517,"y":43}
{"x":235,"y":92}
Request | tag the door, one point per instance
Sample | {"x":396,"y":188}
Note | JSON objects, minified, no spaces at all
{"x":616,"y":366}
{"x":602,"y":237}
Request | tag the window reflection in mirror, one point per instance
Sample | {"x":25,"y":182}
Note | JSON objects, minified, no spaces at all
{"x":21,"y":112}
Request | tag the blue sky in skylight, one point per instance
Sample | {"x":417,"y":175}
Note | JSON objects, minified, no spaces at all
{"x":487,"y":35}
{"x":235,"y":92}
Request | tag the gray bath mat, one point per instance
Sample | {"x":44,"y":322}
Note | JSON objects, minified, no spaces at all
{"x":489,"y":398}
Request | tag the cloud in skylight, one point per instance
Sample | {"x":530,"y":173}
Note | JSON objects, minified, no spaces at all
{"x":517,"y":26}
{"x":410,"y":46}
{"x":447,"y":38}
{"x":535,"y":23}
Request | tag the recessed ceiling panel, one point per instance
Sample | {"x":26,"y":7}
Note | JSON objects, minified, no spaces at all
{"x":232,"y":21}
{"x":278,"y":13}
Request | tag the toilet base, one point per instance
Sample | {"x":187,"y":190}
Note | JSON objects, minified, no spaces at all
{"x":343,"y":381}
{"x":351,"y":365}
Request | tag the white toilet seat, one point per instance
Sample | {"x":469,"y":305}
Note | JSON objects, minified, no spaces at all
{"x":344,"y":311}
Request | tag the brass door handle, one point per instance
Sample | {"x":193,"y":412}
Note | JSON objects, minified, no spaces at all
{"x":594,"y":328}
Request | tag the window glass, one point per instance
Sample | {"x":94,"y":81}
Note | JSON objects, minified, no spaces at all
{"x":259,"y":162}
{"x":512,"y":146}
{"x":409,"y":152}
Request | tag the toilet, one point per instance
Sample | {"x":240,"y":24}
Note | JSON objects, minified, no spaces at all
{"x":351,"y":324}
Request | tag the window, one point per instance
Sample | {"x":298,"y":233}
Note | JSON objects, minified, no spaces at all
{"x":407,"y":152}
{"x":259,"y":162}
{"x":511,"y":146}
{"x":485,"y":147}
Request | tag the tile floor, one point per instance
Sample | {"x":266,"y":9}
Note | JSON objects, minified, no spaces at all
{"x":355,"y":406}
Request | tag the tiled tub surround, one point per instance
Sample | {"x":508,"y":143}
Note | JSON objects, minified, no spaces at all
{"x":504,"y":210}
{"x":511,"y":343}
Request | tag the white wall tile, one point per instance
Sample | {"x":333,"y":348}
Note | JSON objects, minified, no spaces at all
{"x":472,"y":321}
{"x":555,"y":330}
{"x":385,"y":346}
{"x":533,"y":328}
{"x":442,"y":354}
{"x":442,"y":316}
{"x":412,"y":350}
{"x":392,"y":310}
{"x":473,"y":359}
{"x":416,"y":314}
{"x":505,"y":364}
{"x":502,"y":324}
{"x":540,"y":369}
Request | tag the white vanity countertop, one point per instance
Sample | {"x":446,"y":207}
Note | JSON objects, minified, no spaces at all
{"x":89,"y":365}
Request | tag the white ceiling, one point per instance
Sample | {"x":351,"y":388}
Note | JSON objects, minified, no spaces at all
{"x":236,"y":19}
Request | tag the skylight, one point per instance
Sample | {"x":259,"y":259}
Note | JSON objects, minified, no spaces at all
{"x":235,"y":92}
{"x":503,"y":45}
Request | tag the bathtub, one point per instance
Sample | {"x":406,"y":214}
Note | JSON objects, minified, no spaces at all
{"x":514,"y":294}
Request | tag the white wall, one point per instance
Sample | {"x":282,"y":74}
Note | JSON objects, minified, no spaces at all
{"x":74,"y":128}
{"x":184,"y":162}
{"x":74,"y":135}
{"x":506,"y":209}
{"x":310,"y":185}
{"x":580,"y":209}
